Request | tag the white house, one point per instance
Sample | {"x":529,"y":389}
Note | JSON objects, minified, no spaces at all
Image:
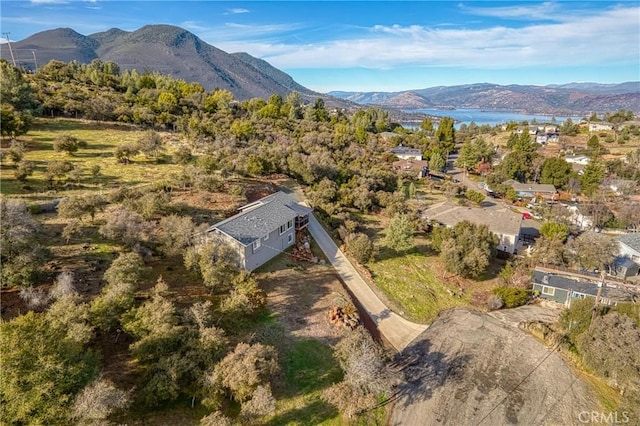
{"x":406,"y":153}
{"x":596,"y":127}
{"x":577,"y":159}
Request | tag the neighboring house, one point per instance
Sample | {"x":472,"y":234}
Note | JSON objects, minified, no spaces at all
{"x":531,"y":130}
{"x":501,"y":221}
{"x":531,"y":190}
{"x":619,"y":186}
{"x":263,"y":229}
{"x":624,"y":267}
{"x":577,"y":159}
{"x":544,"y":137}
{"x":630,"y":246}
{"x":413,"y":167}
{"x":596,"y":127}
{"x":565,"y":288}
{"x":406,"y":153}
{"x":578,"y":218}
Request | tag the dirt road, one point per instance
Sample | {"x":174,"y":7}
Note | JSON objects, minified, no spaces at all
{"x":471,"y":368}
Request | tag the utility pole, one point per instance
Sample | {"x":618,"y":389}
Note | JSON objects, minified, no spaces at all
{"x":595,"y":306}
{"x":13,"y":59}
{"x":35,"y":61}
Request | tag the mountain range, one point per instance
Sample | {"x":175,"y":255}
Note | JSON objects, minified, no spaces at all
{"x":572,"y":98}
{"x":166,"y":49}
{"x":175,"y":51}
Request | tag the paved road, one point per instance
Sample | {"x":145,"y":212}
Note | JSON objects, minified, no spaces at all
{"x":396,"y":330}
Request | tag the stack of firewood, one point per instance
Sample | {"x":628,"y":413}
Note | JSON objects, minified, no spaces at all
{"x":344,"y":317}
{"x":301,"y":252}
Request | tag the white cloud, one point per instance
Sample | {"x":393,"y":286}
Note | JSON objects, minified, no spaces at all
{"x":547,"y":10}
{"x":39,"y":2}
{"x":236,"y":11}
{"x":603,"y":37}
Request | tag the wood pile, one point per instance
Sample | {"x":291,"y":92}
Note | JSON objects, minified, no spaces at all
{"x":344,"y":317}
{"x":301,"y":252}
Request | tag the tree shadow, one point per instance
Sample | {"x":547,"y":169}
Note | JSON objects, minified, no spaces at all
{"x":424,"y":370}
{"x":314,"y":413}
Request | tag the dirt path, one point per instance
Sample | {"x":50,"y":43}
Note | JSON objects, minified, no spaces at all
{"x":471,"y":368}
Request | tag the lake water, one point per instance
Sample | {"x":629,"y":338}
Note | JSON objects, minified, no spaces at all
{"x":492,"y":118}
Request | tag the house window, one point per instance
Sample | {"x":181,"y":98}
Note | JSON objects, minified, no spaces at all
{"x":290,"y":238}
{"x":283,"y":229}
{"x":290,"y":224}
{"x":256,"y":244}
{"x":549,"y":291}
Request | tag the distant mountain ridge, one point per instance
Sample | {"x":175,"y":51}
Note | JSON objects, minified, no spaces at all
{"x":169,"y":50}
{"x":572,"y":98}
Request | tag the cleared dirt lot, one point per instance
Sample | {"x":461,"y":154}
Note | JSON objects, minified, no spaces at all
{"x":471,"y":368}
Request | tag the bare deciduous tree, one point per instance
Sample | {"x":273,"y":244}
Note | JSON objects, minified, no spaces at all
{"x":98,"y":400}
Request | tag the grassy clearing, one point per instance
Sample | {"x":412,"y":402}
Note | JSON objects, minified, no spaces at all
{"x":102,"y":140}
{"x":415,"y":283}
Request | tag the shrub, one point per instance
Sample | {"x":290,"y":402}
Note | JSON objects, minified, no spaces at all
{"x":511,"y":296}
{"x":360,"y":247}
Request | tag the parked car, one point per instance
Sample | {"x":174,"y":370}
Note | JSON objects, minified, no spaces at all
{"x":526,"y":215}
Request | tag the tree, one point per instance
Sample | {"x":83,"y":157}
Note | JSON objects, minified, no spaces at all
{"x":262,"y":403}
{"x":77,"y":206}
{"x":124,"y":225}
{"x":399,"y":234}
{"x":556,"y":231}
{"x":18,"y":103}
{"x":445,"y":134}
{"x":213,"y":261}
{"x":244,"y":369}
{"x":21,"y":253}
{"x":68,"y":143}
{"x":41,"y":370}
{"x":591,"y":177}
{"x":360,"y":246}
{"x":117,"y":297}
{"x":126,"y":151}
{"x":466,"y":248}
{"x":555,"y":171}
{"x":151,"y":144}
{"x":474,"y":196}
{"x":366,"y":376}
{"x":24,"y":170}
{"x":593,"y":251}
{"x":98,"y":400}
{"x":174,"y":234}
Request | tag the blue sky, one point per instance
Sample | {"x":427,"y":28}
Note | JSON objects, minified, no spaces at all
{"x":382,"y":45}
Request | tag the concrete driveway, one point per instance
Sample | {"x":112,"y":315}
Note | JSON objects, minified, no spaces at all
{"x":396,"y":330}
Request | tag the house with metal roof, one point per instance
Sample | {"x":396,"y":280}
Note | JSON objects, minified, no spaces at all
{"x":566,"y":288}
{"x":263,"y":229}
{"x":503,"y":222}
{"x":406,"y":153}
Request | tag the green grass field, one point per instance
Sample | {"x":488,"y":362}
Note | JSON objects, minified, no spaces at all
{"x":102,"y":140}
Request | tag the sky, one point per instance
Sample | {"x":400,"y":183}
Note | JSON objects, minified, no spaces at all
{"x":382,"y":45}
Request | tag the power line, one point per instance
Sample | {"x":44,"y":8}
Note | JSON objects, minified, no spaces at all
{"x":552,"y":350}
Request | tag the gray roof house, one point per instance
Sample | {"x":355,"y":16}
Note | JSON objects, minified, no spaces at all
{"x":530,"y":190}
{"x":263,"y":229}
{"x":501,"y":221}
{"x":630,"y":246}
{"x":564,"y":289}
